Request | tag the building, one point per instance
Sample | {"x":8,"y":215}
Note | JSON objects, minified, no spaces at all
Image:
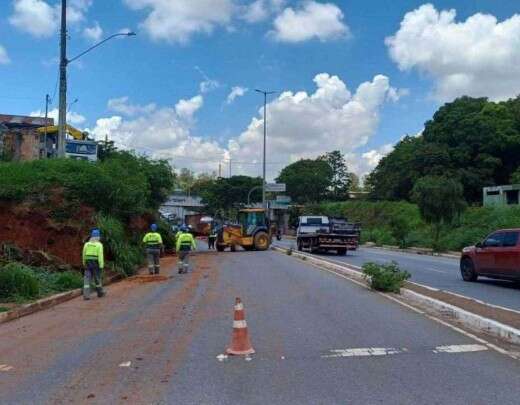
{"x":501,"y":195}
{"x":179,"y":205}
{"x":20,"y":139}
{"x":25,"y":138}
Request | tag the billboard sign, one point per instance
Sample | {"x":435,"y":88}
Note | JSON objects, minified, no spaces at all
{"x":275,"y":187}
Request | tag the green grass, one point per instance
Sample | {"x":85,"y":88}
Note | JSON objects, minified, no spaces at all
{"x":20,"y":283}
{"x":380,"y":228}
{"x":4,"y":309}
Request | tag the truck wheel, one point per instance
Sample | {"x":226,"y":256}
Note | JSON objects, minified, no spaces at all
{"x":467,"y":270}
{"x":261,"y":241}
{"x":233,"y":248}
{"x":341,"y":252}
{"x":220,"y":248}
{"x":299,"y":246}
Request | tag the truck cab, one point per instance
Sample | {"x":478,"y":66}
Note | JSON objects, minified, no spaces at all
{"x":312,"y":224}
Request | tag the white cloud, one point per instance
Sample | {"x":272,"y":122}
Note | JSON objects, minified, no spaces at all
{"x":163,"y":133}
{"x":260,"y":10}
{"x":208,"y":85}
{"x":73,"y":118}
{"x":122,"y":106}
{"x":40,"y":19}
{"x":35,"y":17}
{"x":177,"y":21}
{"x":323,"y":21}
{"x":236,"y":91}
{"x":373,"y":156}
{"x":307,"y":125}
{"x":476,"y":57}
{"x":187,"y":108}
{"x":4,"y":57}
{"x":300,"y":125}
{"x":93,"y":33}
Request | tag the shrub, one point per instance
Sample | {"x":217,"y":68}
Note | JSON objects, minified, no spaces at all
{"x":385,"y":277}
{"x":127,"y":256}
{"x":68,"y":280}
{"x":18,"y":282}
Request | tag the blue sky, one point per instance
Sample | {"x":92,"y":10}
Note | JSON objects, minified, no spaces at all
{"x":273,"y":44}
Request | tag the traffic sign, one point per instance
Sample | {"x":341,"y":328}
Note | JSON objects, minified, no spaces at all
{"x":275,"y":187}
{"x":283,"y":199}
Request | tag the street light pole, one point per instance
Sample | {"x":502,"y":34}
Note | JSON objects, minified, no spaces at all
{"x":265,"y":93}
{"x":62,"y":114}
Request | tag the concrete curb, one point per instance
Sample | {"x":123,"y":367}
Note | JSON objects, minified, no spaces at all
{"x":471,"y":320}
{"x":466,"y":318}
{"x":47,"y":302}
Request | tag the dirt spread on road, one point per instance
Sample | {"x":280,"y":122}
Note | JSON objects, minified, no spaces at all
{"x":154,"y":340}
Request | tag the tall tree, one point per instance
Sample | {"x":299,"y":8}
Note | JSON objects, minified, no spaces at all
{"x":341,"y":180}
{"x":186,"y":180}
{"x":472,"y":140}
{"x":307,"y":180}
{"x":223,"y":194}
{"x":440,"y":200}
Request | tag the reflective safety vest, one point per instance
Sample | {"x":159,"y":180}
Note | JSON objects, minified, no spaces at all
{"x":93,"y":251}
{"x":185,"y":241}
{"x":153,"y":240}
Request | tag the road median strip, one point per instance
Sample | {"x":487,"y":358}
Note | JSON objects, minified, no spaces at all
{"x":478,"y":316}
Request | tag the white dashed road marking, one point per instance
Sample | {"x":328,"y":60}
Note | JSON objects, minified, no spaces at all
{"x":126,"y":364}
{"x":460,"y":349}
{"x":364,"y":352}
{"x":5,"y":367}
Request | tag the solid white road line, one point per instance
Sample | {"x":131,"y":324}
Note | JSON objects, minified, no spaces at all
{"x":460,"y":349}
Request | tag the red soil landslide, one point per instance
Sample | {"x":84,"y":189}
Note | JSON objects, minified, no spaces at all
{"x":33,"y":230}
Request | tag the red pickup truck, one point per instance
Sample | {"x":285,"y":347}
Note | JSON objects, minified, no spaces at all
{"x":497,"y":256}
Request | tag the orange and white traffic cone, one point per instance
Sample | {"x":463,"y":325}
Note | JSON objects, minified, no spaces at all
{"x":240,"y":343}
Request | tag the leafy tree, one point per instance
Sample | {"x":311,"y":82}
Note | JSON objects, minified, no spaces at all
{"x":224,"y":193}
{"x":472,"y":140}
{"x":515,"y":177}
{"x":354,"y":182}
{"x":341,"y":179}
{"x":440,"y":201}
{"x":186,"y":180}
{"x":307,"y":180}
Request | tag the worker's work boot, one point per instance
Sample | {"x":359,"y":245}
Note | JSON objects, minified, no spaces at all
{"x":150,"y":270}
{"x":157,"y":270}
{"x":86,"y":293}
{"x":100,"y":292}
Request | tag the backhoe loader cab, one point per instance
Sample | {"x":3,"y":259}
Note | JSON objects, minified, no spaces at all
{"x":251,"y":232}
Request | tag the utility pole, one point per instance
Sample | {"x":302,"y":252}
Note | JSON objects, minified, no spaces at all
{"x":229,"y":167}
{"x":62,"y":115}
{"x":47,"y":98}
{"x":265,"y":93}
{"x":219,"y":169}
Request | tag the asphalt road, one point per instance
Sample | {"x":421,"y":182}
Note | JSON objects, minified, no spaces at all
{"x":157,"y":343}
{"x":434,"y":271}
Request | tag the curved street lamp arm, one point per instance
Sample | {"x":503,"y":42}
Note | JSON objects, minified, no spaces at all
{"x":250,"y":191}
{"x":125,"y":34}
